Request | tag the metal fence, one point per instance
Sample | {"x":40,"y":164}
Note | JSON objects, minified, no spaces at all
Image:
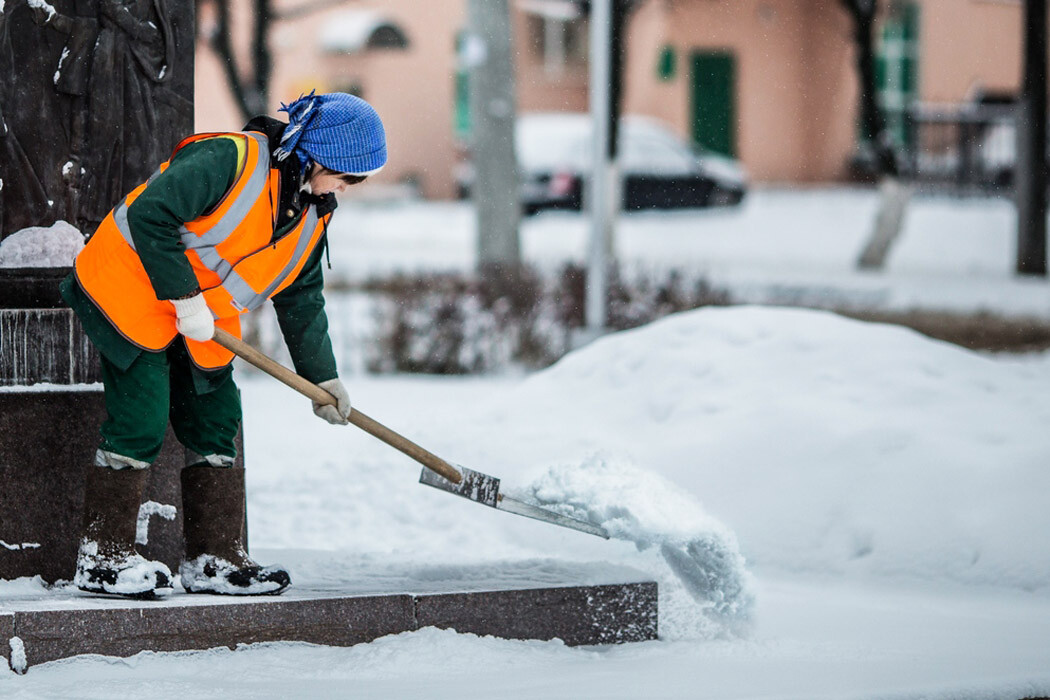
{"x":961,"y":149}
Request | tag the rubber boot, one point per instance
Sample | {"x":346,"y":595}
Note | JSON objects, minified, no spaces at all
{"x":107,"y":561}
{"x":213,"y":525}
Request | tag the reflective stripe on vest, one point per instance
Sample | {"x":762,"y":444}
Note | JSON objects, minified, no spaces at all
{"x":120,"y":212}
{"x":241,"y":291}
{"x":205,"y":243}
{"x":256,"y":185}
{"x":230,"y":221}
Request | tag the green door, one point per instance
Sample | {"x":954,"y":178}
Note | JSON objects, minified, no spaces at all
{"x":714,"y":101}
{"x":897,"y":69}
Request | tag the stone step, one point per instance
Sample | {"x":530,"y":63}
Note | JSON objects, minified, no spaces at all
{"x":59,"y":626}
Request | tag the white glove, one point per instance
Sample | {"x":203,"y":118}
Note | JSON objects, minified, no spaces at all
{"x":332,"y":414}
{"x":193,"y":318}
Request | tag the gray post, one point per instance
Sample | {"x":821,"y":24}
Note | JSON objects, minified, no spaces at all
{"x":1031,"y":172}
{"x":496,"y":190}
{"x":602,"y":190}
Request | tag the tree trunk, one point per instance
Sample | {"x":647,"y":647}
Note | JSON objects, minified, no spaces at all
{"x":893,"y":195}
{"x":251,"y":91}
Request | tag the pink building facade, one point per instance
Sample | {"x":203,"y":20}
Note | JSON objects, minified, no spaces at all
{"x":770,"y":81}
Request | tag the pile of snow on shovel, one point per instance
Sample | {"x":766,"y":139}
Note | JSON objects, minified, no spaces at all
{"x":648,"y":510}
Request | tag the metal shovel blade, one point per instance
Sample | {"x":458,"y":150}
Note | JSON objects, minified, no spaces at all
{"x":484,"y":489}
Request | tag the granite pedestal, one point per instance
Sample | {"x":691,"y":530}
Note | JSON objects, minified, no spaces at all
{"x":47,"y":442}
{"x":51,"y":407}
{"x":63,"y":623}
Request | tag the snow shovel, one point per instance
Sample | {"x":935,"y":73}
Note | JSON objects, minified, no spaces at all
{"x":472,"y":485}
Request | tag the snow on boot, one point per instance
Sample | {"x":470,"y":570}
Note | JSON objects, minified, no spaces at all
{"x":107,"y":561}
{"x":211,"y":574}
{"x":130,"y":575}
{"x":213,"y":526}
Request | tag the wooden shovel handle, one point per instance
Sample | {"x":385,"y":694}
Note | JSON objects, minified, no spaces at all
{"x":317,"y":394}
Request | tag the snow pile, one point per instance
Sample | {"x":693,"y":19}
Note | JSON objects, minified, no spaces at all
{"x":26,"y":586}
{"x":37,"y":246}
{"x":643,"y":508}
{"x":825,"y":444}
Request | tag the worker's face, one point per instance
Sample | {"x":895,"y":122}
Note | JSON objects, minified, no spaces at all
{"x":324,"y":181}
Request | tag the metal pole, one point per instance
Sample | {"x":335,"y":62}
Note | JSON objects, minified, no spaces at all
{"x":601,"y":181}
{"x":496,"y":190}
{"x":1031,"y":173}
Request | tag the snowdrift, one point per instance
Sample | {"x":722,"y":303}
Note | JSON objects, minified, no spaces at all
{"x":803,"y":441}
{"x":831,"y":448}
{"x":825,"y":444}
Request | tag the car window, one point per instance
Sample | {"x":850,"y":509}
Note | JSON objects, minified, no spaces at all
{"x":644,"y":154}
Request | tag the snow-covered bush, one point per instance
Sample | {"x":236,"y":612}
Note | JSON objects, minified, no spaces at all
{"x":461,"y":324}
{"x":454,"y":323}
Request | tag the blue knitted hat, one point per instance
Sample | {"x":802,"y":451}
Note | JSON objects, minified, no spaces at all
{"x":341,"y":132}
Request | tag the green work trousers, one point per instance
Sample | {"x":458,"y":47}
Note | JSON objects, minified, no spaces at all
{"x":159,"y":386}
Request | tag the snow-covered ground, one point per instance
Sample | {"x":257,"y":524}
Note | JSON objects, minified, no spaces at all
{"x":889,"y":493}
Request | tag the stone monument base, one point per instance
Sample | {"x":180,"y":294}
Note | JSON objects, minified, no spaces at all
{"x":48,"y":438}
{"x":41,"y":340}
{"x":64,"y":623}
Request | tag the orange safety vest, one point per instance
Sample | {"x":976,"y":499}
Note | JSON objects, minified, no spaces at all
{"x":236,"y":263}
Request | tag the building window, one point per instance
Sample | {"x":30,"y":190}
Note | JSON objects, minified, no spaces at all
{"x":387,"y":36}
{"x":353,"y":31}
{"x":665,"y":65}
{"x":461,"y":108}
{"x":561,"y":43}
{"x":897,"y":68}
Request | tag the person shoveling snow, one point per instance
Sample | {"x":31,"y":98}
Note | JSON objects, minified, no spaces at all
{"x":229,"y":222}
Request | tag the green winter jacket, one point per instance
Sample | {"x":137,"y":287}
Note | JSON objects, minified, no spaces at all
{"x":194,"y":182}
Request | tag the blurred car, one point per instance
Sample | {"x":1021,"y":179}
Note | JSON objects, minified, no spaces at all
{"x":658,"y":169}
